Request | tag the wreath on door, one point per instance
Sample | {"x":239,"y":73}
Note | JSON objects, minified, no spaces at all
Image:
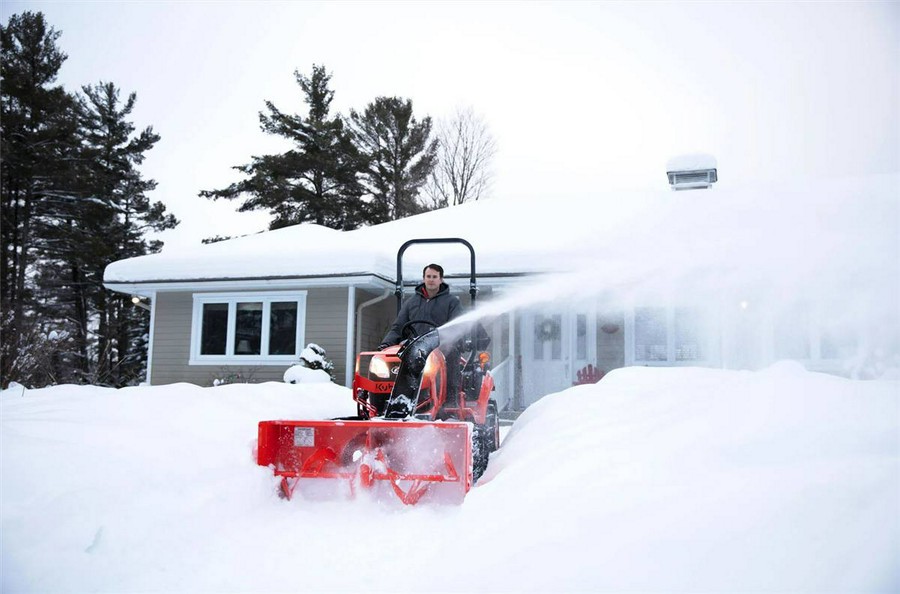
{"x":547,"y":330}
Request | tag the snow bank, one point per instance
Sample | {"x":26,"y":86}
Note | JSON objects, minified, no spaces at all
{"x":652,"y":480}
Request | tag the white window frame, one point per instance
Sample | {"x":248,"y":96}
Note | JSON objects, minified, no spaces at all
{"x":232,"y":299}
{"x":670,"y":360}
{"x":814,"y":334}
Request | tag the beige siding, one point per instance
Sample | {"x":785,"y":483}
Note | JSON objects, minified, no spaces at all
{"x":376,"y":320}
{"x":326,"y":325}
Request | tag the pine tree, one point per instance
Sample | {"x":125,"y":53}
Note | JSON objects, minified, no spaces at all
{"x":37,"y":143}
{"x":73,"y":201}
{"x":316,"y":181}
{"x":400,"y":155}
{"x":110,"y":223}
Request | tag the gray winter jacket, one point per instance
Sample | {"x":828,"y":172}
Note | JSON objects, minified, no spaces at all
{"x":439,"y":309}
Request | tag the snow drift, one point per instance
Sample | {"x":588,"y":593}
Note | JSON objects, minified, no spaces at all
{"x":653,"y":479}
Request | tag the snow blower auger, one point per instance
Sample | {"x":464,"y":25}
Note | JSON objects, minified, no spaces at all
{"x":424,"y":427}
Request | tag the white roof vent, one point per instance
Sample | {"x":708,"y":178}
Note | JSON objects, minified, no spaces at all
{"x":688,"y":172}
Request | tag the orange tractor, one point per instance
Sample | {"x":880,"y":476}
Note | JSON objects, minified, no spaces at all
{"x":426,"y":422}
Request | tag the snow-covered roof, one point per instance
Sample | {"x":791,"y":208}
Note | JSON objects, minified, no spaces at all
{"x":509,"y":237}
{"x":847,"y":224}
{"x":691,"y":162}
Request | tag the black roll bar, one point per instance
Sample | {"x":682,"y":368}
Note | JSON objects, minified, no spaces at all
{"x":398,"y":289}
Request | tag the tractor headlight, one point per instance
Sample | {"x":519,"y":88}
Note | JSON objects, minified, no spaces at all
{"x":379,"y":368}
{"x":430,"y":364}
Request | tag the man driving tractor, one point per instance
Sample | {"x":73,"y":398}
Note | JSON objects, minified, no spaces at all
{"x":431,"y":301}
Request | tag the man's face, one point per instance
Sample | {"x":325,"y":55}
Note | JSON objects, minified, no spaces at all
{"x":432,"y":280}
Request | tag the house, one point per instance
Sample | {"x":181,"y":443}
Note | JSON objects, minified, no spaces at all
{"x":723,"y":277}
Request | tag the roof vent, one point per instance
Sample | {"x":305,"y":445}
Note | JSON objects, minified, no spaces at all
{"x":689,"y":172}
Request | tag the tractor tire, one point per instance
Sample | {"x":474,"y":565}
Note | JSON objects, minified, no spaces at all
{"x":485,"y":439}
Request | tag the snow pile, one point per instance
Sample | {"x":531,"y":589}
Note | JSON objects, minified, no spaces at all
{"x":301,"y":374}
{"x":652,"y":480}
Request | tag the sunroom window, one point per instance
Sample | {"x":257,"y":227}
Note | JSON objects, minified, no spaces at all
{"x":261,"y":328}
{"x":668,"y":335}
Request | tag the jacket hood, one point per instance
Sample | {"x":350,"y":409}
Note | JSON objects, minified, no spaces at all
{"x":444,"y":288}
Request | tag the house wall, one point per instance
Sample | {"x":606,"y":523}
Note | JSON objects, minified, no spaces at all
{"x":326,"y":325}
{"x":376,"y":319}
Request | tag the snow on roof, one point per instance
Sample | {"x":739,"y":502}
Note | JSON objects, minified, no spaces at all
{"x":691,"y":162}
{"x":802,"y":227}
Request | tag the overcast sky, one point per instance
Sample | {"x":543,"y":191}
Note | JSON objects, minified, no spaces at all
{"x":579,"y":96}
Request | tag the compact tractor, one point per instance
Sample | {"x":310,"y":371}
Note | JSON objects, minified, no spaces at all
{"x":424,"y":427}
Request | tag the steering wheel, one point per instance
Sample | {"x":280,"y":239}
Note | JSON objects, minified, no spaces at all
{"x":409,"y":331}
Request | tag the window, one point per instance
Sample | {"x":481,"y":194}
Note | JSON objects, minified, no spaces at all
{"x":259,"y":328}
{"x":806,"y":331}
{"x":688,"y":326}
{"x":650,"y":334}
{"x":668,"y":335}
{"x":581,"y":337}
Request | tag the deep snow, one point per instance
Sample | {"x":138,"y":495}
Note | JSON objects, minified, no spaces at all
{"x":655,"y":479}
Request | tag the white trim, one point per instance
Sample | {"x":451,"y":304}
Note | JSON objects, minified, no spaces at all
{"x":146,"y":288}
{"x":350,"y":356}
{"x":150,"y":337}
{"x":232,"y":299}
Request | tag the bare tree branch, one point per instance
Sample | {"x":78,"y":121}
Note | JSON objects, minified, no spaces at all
{"x":463,"y":171}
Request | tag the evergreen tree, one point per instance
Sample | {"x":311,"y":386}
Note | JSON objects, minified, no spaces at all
{"x":399,"y":153}
{"x":73,"y":201}
{"x":110,"y":223}
{"x":37,"y":144}
{"x":317,"y":180}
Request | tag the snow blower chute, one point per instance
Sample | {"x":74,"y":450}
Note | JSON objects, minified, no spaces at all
{"x":424,"y":427}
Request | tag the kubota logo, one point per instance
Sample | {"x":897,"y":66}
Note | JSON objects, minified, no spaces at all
{"x":383,"y":387}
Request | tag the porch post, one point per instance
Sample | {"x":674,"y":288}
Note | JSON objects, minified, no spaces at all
{"x":350,"y":359}
{"x":514,"y":381}
{"x":147,"y":380}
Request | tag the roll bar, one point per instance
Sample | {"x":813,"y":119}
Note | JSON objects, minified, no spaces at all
{"x":398,"y":289}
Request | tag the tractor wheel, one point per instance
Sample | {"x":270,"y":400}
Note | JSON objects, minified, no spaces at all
{"x":485,"y":439}
{"x":492,"y":423}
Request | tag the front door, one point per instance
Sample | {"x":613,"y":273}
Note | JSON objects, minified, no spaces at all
{"x":555,"y":345}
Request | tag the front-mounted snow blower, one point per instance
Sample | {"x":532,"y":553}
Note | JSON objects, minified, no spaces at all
{"x":425,"y":423}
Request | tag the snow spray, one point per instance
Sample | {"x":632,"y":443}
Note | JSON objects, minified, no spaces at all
{"x":782,"y":257}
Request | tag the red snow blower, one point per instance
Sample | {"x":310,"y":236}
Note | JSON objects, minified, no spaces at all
{"x":424,"y":427}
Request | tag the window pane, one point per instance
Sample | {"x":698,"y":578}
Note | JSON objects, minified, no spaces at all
{"x":556,"y":353}
{"x":581,"y":337}
{"x":650,"y":334}
{"x":214,"y":333}
{"x":283,"y":328}
{"x":248,"y":329}
{"x":687,"y":335}
{"x":538,"y":337}
{"x":791,"y":333}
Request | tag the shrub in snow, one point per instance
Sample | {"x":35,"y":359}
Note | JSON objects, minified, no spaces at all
{"x":313,"y":367}
{"x":231,"y":376}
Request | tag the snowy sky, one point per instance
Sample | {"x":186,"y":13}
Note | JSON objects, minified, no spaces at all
{"x":578,"y":95}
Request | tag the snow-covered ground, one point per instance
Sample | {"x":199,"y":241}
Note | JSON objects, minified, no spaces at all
{"x":652,"y":480}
